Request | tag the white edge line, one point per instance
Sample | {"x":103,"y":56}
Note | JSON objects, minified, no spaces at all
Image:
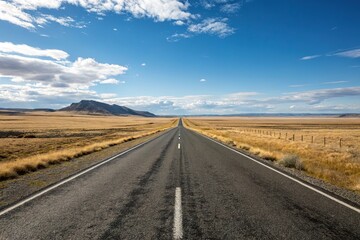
{"x":178,"y":228}
{"x":285,"y":175}
{"x":6,"y":210}
{"x":178,"y":145}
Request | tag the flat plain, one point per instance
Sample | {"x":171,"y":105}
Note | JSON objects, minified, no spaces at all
{"x":324,"y":148}
{"x":34,"y":140}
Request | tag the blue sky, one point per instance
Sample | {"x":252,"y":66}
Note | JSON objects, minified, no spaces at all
{"x":182,"y":57}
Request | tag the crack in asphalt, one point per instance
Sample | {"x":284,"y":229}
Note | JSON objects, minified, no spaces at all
{"x":134,"y":198}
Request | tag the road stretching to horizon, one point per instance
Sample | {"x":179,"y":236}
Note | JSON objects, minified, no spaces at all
{"x":180,"y":185}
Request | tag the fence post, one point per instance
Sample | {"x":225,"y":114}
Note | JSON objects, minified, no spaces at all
{"x":293,"y":137}
{"x":340,"y":142}
{"x":302,"y":138}
{"x":285,"y":136}
{"x":312,"y":139}
{"x":324,"y":141}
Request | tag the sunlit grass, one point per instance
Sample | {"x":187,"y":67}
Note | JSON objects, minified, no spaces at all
{"x":34,"y":141}
{"x":272,"y":139}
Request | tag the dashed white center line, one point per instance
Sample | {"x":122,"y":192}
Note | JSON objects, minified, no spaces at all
{"x":178,"y":227}
{"x":178,"y":145}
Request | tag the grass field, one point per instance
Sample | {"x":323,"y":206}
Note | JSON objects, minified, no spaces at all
{"x":325,"y":148}
{"x":30,"y":141}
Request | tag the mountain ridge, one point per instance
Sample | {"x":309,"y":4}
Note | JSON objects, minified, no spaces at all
{"x":95,"y":107}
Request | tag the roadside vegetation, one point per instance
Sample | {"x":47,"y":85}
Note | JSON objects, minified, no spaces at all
{"x":31,"y":141}
{"x":325,"y":148}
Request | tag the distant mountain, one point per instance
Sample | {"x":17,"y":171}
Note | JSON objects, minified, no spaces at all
{"x":94,"y":107}
{"x":350,"y":115}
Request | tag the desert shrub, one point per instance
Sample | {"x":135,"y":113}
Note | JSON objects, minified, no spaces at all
{"x":29,"y":136}
{"x":292,"y":161}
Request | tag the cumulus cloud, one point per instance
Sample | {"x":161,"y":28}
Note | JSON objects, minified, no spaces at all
{"x":23,"y":49}
{"x":203,"y":80}
{"x":308,"y":101}
{"x":15,"y":15}
{"x":23,"y":14}
{"x":143,"y":64}
{"x":51,"y":73}
{"x":26,"y":13}
{"x":215,"y":26}
{"x":240,"y":102}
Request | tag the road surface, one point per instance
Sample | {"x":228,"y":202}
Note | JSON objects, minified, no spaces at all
{"x":180,"y":185}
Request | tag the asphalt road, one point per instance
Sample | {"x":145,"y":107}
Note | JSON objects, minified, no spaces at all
{"x":180,"y":185}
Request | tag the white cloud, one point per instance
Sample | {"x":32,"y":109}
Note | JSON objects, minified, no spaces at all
{"x":231,"y":7}
{"x":203,"y":80}
{"x":80,"y":74}
{"x":179,"y":23}
{"x":160,"y":10}
{"x":26,"y":13}
{"x":13,"y":14}
{"x":310,"y":57}
{"x":335,"y":82}
{"x":216,"y":26}
{"x":115,"y":29}
{"x":65,"y":21}
{"x":355,"y":53}
{"x":110,"y":81}
{"x":315,"y":96}
{"x":177,"y":36}
{"x":308,"y":101}
{"x":8,"y":47}
{"x":143,"y":64}
{"x":297,"y":85}
{"x":23,"y":13}
{"x":36,"y":4}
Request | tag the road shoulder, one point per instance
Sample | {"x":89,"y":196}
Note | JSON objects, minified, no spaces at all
{"x":16,"y":189}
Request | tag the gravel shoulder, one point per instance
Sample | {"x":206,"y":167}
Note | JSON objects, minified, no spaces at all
{"x":16,"y":189}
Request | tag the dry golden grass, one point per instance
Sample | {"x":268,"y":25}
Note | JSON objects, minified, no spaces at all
{"x":272,"y":139}
{"x":36,"y":140}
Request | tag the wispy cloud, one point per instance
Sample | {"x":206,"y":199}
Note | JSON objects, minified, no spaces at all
{"x":335,"y":82}
{"x":355,"y":53}
{"x":316,"y":96}
{"x":231,"y":7}
{"x":143,"y":64}
{"x":310,"y":57}
{"x":297,"y":85}
{"x":177,"y":36}
{"x":23,"y":49}
{"x":216,"y":26}
{"x":203,"y":80}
